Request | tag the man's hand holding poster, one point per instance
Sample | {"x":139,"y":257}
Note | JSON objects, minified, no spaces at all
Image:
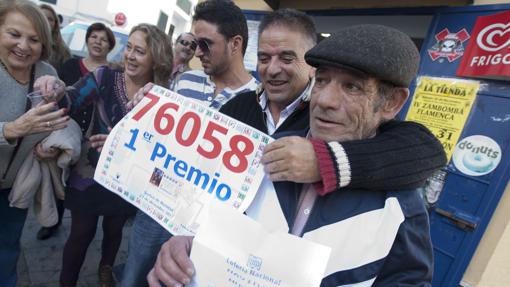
{"x":173,"y":157}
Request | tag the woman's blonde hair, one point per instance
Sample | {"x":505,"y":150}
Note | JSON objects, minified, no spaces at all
{"x":59,"y":51}
{"x":160,"y":47}
{"x":35,"y":16}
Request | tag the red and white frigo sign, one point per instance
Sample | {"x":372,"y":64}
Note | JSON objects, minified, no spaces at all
{"x":488,"y":51}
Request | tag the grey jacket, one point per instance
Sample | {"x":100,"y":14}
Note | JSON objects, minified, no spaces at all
{"x":12,"y":105}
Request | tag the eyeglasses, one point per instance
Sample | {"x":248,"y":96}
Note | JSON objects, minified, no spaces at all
{"x":192,"y":44}
{"x":203,"y":44}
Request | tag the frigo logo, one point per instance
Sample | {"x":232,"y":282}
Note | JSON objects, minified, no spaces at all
{"x":490,"y":38}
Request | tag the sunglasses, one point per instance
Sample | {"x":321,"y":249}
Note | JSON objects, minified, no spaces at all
{"x":192,"y":44}
{"x":203,"y":44}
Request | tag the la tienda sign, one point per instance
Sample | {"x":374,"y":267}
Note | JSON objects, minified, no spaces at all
{"x":488,"y":52}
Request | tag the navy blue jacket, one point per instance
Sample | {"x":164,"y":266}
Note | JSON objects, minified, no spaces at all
{"x":386,"y":248}
{"x":378,"y":238}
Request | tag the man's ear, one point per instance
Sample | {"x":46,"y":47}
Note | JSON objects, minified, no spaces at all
{"x":237,"y":44}
{"x":394,"y":104}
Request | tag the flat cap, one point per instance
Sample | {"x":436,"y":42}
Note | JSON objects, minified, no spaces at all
{"x":380,"y":51}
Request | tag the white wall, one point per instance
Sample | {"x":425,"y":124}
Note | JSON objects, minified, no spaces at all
{"x":145,"y":11}
{"x":136,"y":11}
{"x":415,"y":26}
{"x":486,"y":2}
{"x":94,"y":10}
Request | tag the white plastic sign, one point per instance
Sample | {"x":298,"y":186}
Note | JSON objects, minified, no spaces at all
{"x":477,"y":155}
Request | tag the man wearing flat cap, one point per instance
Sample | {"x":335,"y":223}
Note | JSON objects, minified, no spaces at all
{"x":378,"y":237}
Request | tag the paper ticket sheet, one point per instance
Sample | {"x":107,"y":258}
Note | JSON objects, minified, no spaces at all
{"x":233,"y":250}
{"x":173,"y":158}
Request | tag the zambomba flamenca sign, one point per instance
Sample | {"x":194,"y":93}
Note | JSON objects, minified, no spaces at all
{"x":488,"y":51}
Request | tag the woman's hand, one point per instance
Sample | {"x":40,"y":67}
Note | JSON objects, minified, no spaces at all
{"x":139,"y":95}
{"x":97,"y":141}
{"x":51,"y":87}
{"x":45,"y":154}
{"x":41,"y":118}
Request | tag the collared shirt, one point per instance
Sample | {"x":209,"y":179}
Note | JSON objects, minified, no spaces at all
{"x":284,"y":114}
{"x":304,"y":209}
{"x":197,"y":85}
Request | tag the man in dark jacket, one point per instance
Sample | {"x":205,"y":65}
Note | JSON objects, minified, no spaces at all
{"x":378,"y":237}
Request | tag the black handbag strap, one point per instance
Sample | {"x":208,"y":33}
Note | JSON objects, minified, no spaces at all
{"x":27,"y":107}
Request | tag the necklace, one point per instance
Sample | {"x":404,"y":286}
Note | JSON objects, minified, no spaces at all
{"x":23,"y":83}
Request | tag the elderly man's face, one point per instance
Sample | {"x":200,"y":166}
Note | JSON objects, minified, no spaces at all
{"x":281,"y":63}
{"x":345,"y":106}
{"x":184,"y":48}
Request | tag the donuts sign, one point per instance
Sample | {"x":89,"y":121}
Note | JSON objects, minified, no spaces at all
{"x":477,"y":155}
{"x":488,"y":52}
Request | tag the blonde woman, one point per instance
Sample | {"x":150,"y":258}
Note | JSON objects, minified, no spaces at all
{"x":147,"y":58}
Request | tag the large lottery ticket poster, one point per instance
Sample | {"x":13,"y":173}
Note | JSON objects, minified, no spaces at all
{"x":173,"y":157}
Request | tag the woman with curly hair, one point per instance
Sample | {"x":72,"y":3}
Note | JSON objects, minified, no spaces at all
{"x":147,"y":58}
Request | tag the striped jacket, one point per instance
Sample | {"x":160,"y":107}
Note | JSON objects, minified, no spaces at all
{"x":197,"y":85}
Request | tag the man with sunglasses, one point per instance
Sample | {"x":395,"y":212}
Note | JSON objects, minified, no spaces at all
{"x":184,"y":49}
{"x":221,"y":35}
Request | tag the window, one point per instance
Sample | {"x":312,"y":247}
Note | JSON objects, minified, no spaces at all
{"x":179,"y":22}
{"x":162,"y":20}
{"x":185,"y":5}
{"x":171,"y":31}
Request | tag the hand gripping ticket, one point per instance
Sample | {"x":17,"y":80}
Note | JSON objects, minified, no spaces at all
{"x":173,"y":157}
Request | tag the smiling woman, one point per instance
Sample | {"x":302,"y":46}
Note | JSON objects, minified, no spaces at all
{"x":97,"y":102}
{"x":100,"y":41}
{"x":147,"y":40}
{"x":24,"y":43}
